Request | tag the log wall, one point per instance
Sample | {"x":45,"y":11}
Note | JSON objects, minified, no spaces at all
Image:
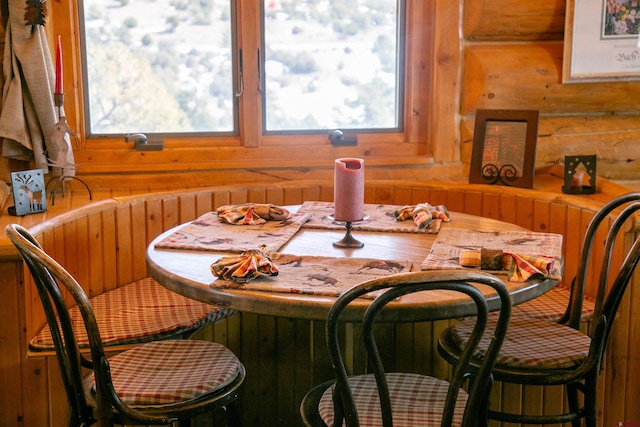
{"x":489,"y":54}
{"x":513,"y":58}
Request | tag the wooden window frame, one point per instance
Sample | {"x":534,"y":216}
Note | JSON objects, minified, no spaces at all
{"x":430,"y":124}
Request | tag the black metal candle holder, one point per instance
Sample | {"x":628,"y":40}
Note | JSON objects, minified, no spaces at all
{"x":348,"y":241}
{"x":587,"y":183}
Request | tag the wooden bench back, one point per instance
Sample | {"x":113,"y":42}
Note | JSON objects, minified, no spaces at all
{"x":103,"y":244}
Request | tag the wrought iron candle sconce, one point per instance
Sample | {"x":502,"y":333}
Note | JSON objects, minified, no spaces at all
{"x":579,"y":174}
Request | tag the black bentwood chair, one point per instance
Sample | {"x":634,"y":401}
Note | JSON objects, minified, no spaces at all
{"x":407,"y":399}
{"x":539,"y":352}
{"x":154,"y":383}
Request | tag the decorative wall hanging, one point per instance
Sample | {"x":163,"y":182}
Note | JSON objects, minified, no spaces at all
{"x":29,"y":195}
{"x":579,"y":174}
{"x":601,"y":41}
{"x":504,"y":147}
{"x":35,"y":13}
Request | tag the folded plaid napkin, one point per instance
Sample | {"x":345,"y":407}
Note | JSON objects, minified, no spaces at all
{"x":423,"y":214}
{"x":251,"y":213}
{"x":314,"y":275}
{"x":520,"y":267}
{"x":246,"y":266}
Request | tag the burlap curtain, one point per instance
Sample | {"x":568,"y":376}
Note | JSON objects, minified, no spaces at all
{"x":28,"y":113}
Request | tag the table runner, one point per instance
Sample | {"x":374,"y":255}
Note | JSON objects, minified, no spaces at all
{"x":450,"y":242}
{"x":208,"y":233}
{"x":311,"y":275}
{"x":380,"y":218}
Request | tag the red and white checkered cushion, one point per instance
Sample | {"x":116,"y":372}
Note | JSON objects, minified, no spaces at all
{"x":416,"y":400}
{"x":530,"y":343}
{"x":169,"y":371}
{"x":552,"y":305}
{"x":140,"y":311}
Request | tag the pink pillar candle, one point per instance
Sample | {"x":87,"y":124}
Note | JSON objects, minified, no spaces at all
{"x":348,"y":191}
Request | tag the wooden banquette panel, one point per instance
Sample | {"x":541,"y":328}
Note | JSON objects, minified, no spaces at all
{"x":103,"y":245}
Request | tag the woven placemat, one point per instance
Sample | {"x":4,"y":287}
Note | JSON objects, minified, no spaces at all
{"x":312,"y":275}
{"x":208,"y":233}
{"x":378,"y":218}
{"x":450,"y":242}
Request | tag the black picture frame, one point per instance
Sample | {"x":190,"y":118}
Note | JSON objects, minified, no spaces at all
{"x":504,"y":147}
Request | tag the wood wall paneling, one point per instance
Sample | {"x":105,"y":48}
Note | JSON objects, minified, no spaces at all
{"x":275,"y":347}
{"x":528,"y":76}
{"x":12,"y":339}
{"x":492,"y":20}
{"x":612,"y":137}
{"x":482,"y":54}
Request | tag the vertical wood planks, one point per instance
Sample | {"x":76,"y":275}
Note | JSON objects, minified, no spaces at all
{"x":138,"y":241}
{"x":124,"y":245}
{"x":11,"y":333}
{"x":170,"y":212}
{"x":154,"y":225}
{"x":286,"y":357}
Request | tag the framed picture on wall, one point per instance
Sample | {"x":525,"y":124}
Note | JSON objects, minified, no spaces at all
{"x":601,"y":41}
{"x":29,"y":193}
{"x":504,"y":147}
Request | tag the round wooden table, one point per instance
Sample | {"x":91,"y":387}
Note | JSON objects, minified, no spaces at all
{"x":188,"y":273}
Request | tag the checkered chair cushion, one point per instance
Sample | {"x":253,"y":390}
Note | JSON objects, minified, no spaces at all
{"x":416,"y":400}
{"x":169,"y":371}
{"x":530,"y":343}
{"x":140,"y":311}
{"x":552,"y":305}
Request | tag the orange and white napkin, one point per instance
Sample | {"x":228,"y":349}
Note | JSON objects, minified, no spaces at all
{"x":520,"y":267}
{"x":246,"y":266}
{"x":251,"y":213}
{"x":423,"y":214}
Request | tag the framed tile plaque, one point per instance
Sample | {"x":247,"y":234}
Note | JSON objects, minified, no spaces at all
{"x":29,"y":194}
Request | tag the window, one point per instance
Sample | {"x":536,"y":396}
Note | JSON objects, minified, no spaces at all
{"x":185,"y":67}
{"x":332,"y":64}
{"x":161,"y":66}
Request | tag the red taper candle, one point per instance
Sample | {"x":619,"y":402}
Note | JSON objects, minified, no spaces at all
{"x":59,"y":67}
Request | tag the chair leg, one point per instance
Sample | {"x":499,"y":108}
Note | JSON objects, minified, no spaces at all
{"x":483,"y":417}
{"x":574,"y":403}
{"x":591,"y":401}
{"x":232,"y":414}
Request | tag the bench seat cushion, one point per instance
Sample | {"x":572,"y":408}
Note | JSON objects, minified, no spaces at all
{"x":138,"y":312}
{"x":551,"y":306}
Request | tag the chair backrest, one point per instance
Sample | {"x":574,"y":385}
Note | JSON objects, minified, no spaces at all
{"x":604,"y":229}
{"x":53,"y":282}
{"x":401,"y":284}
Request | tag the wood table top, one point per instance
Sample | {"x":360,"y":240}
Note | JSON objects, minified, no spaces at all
{"x":188,"y":272}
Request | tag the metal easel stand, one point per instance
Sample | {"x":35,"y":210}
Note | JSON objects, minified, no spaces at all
{"x":61,"y":181}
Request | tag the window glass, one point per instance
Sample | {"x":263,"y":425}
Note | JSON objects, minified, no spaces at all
{"x":158,"y":66}
{"x":332,"y":64}
{"x":167,"y":66}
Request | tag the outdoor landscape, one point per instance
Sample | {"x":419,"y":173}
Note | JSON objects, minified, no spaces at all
{"x":166,"y":66}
